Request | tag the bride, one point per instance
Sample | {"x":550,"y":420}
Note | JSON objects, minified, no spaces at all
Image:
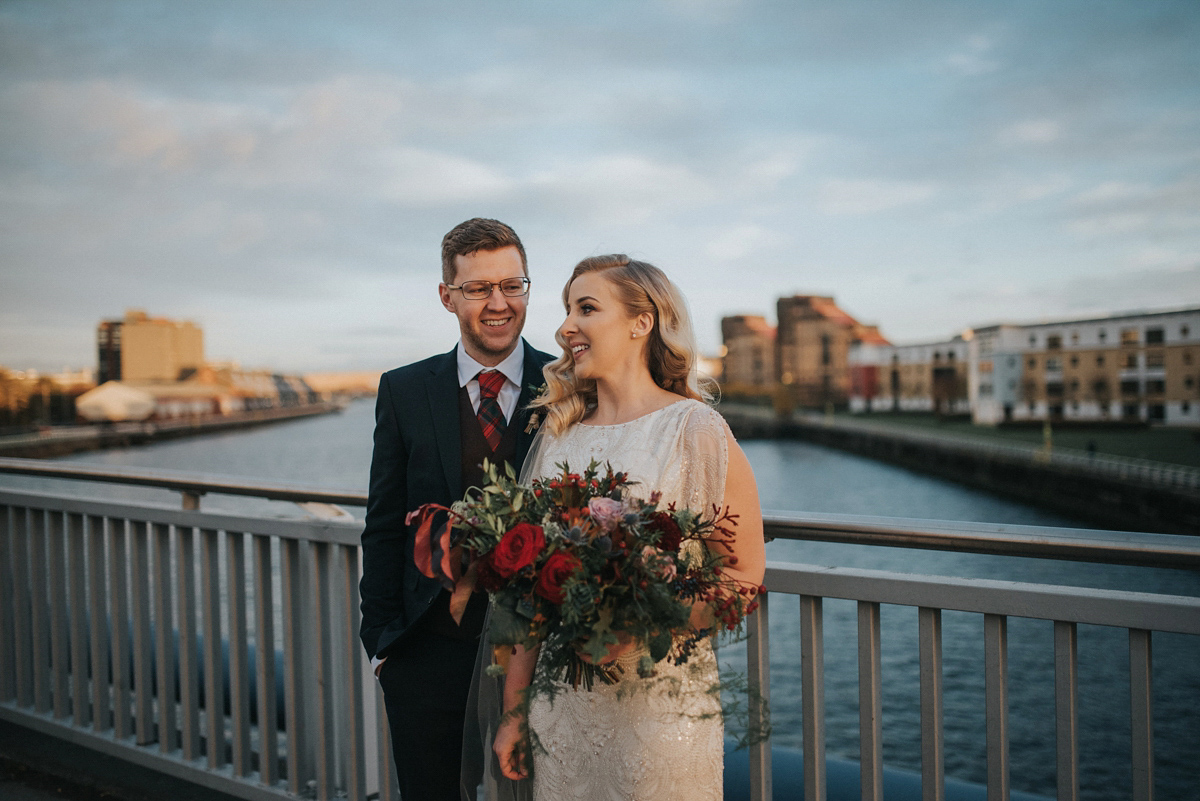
{"x":626,"y":392}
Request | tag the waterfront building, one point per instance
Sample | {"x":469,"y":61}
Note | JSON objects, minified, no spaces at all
{"x":141,"y":348}
{"x":749,"y":353}
{"x":927,"y":377}
{"x":812,"y":346}
{"x":1133,"y":367}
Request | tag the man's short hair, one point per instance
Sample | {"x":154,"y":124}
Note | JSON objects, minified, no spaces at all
{"x":478,"y":233}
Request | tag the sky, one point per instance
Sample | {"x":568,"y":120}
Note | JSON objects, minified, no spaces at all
{"x":282,"y":173}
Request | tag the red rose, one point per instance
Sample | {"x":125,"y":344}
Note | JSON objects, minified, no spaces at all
{"x":558,"y":568}
{"x":670,"y":535}
{"x":518,"y":548}
{"x":486,"y":577}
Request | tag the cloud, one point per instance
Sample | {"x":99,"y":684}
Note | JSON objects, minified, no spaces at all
{"x":1031,"y":132}
{"x":857,"y":197}
{"x":1117,"y":208}
{"x":739,"y":242}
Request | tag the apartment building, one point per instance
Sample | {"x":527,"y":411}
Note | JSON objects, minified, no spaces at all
{"x":812,"y":347}
{"x":141,"y":348}
{"x":927,"y":377}
{"x":749,"y":356}
{"x":1133,"y":367}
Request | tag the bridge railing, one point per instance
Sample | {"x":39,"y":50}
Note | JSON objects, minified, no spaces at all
{"x":113,"y":617}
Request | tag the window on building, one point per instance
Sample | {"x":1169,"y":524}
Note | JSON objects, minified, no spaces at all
{"x":1184,"y":332}
{"x":1102,"y":334}
{"x":985,"y":390}
{"x":1053,"y":363}
{"x":1100,"y":360}
{"x":1100,"y":388}
{"x":1054,"y":342}
{"x":1187,"y":357}
{"x":1075,"y":407}
{"x":937,"y":355}
{"x":1074,"y":337}
{"x":1131,"y":360}
{"x":1130,"y":387}
{"x":1032,"y":340}
{"x":1129,"y":336}
{"x":1033,"y":364}
{"x":1054,"y":389}
{"x":950,"y":356}
{"x":1129,"y":411}
{"x":1155,"y":358}
{"x":1185,"y":407}
{"x":1156,"y":386}
{"x":1154,"y":336}
{"x":1074,"y":361}
{"x":1074,"y":385}
{"x":1189,"y":382}
{"x":1157,"y":412}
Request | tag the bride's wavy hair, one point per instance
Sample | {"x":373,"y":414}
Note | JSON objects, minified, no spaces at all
{"x":671,"y":353}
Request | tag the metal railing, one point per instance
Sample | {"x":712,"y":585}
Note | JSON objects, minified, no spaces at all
{"x":113,"y":615}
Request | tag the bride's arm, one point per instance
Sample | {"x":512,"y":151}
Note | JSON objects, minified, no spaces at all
{"x":511,"y":737}
{"x":747,"y":562}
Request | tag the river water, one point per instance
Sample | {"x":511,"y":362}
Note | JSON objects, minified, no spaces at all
{"x":333,"y":452}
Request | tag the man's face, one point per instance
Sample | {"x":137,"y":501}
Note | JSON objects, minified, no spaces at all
{"x":490,"y":326}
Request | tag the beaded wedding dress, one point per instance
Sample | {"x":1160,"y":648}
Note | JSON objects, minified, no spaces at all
{"x":657,"y":738}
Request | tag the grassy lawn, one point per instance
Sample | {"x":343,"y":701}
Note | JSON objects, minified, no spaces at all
{"x":1174,"y":445}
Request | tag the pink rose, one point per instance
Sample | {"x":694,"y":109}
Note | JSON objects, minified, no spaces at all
{"x":606,"y":512}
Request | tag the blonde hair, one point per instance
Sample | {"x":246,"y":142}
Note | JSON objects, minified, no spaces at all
{"x":671,"y":353}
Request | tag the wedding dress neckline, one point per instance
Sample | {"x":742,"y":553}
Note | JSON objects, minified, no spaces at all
{"x":636,"y":419}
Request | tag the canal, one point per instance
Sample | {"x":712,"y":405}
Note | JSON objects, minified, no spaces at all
{"x":333,"y":452}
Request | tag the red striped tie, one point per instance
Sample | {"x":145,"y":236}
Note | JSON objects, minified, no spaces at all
{"x":491,"y":418}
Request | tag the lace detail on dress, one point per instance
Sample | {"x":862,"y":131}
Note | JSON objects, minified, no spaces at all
{"x":659,"y":738}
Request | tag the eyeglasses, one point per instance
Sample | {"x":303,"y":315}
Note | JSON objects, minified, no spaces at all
{"x":478,"y":290}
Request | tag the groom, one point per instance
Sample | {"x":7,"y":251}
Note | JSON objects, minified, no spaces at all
{"x":435,"y":422}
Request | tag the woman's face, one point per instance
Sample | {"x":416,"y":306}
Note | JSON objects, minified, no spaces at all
{"x":599,"y":330}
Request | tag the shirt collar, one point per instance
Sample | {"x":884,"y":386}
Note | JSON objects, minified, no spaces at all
{"x":513,"y":365}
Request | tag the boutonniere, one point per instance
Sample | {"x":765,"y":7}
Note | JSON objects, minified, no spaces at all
{"x":535,"y":419}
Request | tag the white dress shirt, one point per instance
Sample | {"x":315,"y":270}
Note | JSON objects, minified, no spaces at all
{"x":513,"y":368}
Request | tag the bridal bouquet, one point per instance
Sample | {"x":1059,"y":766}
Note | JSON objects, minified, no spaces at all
{"x":572,"y":563}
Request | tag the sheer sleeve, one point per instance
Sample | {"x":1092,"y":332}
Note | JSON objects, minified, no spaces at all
{"x":705,"y":450}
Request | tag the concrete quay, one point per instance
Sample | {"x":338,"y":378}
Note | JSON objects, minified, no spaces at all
{"x":1108,"y":492}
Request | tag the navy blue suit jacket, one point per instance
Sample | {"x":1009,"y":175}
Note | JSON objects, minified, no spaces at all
{"x":417,"y":460}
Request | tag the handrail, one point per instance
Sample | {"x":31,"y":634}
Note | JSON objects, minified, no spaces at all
{"x":180,"y":481}
{"x":1086,"y":545}
{"x":1044,"y":542}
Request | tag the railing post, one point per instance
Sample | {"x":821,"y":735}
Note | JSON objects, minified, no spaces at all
{"x":118,"y":564}
{"x":264,"y":637}
{"x":164,"y":637}
{"x":189,"y":668}
{"x":97,"y":528}
{"x":142,"y":645}
{"x":1141,"y":713}
{"x":995,"y":648}
{"x":1066,"y":698}
{"x":8,"y":603}
{"x":214,"y":679}
{"x":933,"y":778}
{"x":239,"y":680}
{"x":758,"y":668}
{"x":812,"y":691}
{"x":81,"y":702}
{"x":60,"y":666}
{"x":354,"y":747}
{"x":870,"y":702}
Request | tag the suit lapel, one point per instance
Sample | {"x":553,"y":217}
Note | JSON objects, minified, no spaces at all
{"x":533,"y":381}
{"x":442,"y":390}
